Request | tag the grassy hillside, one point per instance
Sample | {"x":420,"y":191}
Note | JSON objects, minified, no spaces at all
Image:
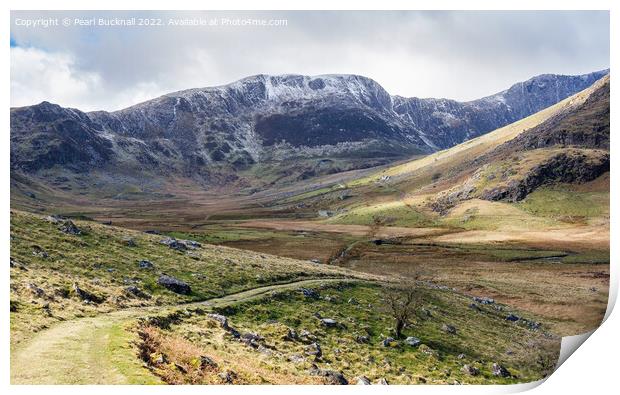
{"x":105,"y":261}
{"x":490,"y":166}
{"x":286,"y":330}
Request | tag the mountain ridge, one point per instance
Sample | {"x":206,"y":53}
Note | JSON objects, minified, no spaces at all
{"x":324,"y":124}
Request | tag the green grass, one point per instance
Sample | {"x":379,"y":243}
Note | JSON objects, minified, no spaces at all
{"x":101,"y":262}
{"x":397,"y":214}
{"x":562,"y":201}
{"x":483,"y":337}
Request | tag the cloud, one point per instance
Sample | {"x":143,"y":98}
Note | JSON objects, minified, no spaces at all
{"x":462,"y":55}
{"x":37,"y":75}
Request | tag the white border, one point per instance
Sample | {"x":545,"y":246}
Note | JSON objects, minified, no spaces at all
{"x":592,"y":369}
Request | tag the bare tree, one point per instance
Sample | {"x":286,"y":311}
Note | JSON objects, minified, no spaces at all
{"x":402,"y":302}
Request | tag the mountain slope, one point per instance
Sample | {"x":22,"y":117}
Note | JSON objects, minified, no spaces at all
{"x":227,"y":135}
{"x":565,"y":143}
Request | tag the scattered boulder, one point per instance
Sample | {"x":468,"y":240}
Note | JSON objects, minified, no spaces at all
{"x":252,"y":339}
{"x":448,"y":329}
{"x":307,"y":336}
{"x":207,"y":362}
{"x":315,"y":260}
{"x":224,"y":324}
{"x":133,"y":290}
{"x":413,"y":341}
{"x":191,"y":244}
{"x":54,"y":219}
{"x":325,"y":213}
{"x":484,"y":300}
{"x":296,"y":358}
{"x":175,"y":285}
{"x":513,"y":318}
{"x":228,"y":376}
{"x":470,"y":370}
{"x":223,"y":320}
{"x":427,"y":350}
{"x":314,"y":349}
{"x":85,"y":295}
{"x":389,"y":342}
{"x":158,"y":359}
{"x":329,"y":323}
{"x":382,"y":381}
{"x":331,"y":376}
{"x":15,"y":264}
{"x":144,"y":264}
{"x":362,"y":339}
{"x":363,"y":380}
{"x":39,"y":252}
{"x":67,"y":226}
{"x":499,"y":370}
{"x":310,"y":293}
{"x":291,"y":335}
{"x":129,"y":242}
{"x":174,"y":244}
{"x":36,"y":291}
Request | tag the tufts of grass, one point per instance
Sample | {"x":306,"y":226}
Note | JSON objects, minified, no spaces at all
{"x":483,"y":337}
{"x":101,"y":262}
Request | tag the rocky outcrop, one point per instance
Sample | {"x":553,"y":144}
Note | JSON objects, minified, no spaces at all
{"x":565,"y":167}
{"x":174,"y":284}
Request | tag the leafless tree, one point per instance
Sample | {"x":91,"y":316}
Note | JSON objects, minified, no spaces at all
{"x":402,"y":302}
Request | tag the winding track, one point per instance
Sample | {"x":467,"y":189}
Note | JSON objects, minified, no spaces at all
{"x":97,"y":350}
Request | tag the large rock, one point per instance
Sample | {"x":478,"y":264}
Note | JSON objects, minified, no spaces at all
{"x":252,"y":339}
{"x":310,"y":293}
{"x":174,"y":244}
{"x":448,"y":329}
{"x":389,"y":342}
{"x":499,"y":370}
{"x":67,"y":226}
{"x":36,"y":291}
{"x":363,"y":380}
{"x":144,"y":264}
{"x":133,"y":290}
{"x":413,"y":341}
{"x":175,"y":285}
{"x":331,"y":376}
{"x":470,"y":370}
{"x":85,"y":295}
{"x":314,"y":349}
{"x":223,"y":320}
{"x":329,"y":323}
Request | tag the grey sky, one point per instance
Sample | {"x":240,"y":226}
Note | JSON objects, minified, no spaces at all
{"x":459,"y":55}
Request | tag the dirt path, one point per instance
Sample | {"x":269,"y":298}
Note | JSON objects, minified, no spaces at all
{"x":97,"y":350}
